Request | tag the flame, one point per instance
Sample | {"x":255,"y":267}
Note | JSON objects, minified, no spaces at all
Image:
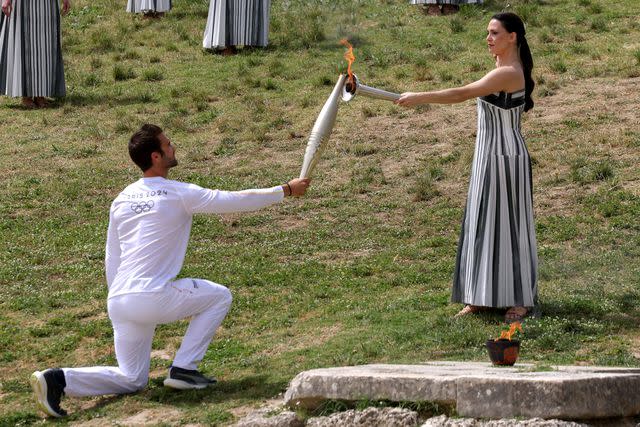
{"x":506,"y":335}
{"x":350,"y":57}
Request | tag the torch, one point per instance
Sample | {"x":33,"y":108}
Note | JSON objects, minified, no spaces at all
{"x":354,"y":87}
{"x":322,"y":129}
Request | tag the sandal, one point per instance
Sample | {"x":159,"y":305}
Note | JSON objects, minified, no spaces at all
{"x":228,"y":51}
{"x":516,"y":314}
{"x":470,"y":309}
{"x":28,"y":103}
{"x":450,"y":9}
{"x":431,"y":10}
{"x":41,"y":102}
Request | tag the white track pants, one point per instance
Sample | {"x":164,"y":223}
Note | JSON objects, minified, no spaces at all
{"x":134,"y":318}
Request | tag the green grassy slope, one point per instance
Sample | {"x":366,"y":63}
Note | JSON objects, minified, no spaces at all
{"x":359,"y":270}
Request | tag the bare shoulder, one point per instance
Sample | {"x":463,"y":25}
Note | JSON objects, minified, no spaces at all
{"x":506,"y":72}
{"x":511,"y":77}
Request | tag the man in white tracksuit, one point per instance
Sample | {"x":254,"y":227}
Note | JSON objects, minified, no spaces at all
{"x":149,"y":226}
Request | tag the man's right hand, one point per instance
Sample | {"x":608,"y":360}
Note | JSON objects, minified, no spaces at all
{"x":298,"y":186}
{"x":6,"y":7}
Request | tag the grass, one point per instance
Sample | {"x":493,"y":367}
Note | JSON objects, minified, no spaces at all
{"x":358,"y":271}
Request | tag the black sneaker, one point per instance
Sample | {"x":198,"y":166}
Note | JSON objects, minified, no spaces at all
{"x":185,"y":379}
{"x":48,"y":387}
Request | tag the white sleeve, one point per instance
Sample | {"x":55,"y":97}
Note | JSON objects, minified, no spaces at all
{"x":202,"y":200}
{"x":112,"y":252}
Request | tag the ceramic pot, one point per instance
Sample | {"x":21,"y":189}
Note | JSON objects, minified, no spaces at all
{"x":503,"y":352}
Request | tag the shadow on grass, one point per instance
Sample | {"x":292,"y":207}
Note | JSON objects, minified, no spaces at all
{"x":100,"y":403}
{"x":82,"y":99}
{"x":253,"y":387}
{"x":587,"y":317}
{"x":249,"y":388}
{"x":51,"y":105}
{"x":625,"y":310}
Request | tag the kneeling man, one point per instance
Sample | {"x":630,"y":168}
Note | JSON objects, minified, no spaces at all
{"x":149,"y":226}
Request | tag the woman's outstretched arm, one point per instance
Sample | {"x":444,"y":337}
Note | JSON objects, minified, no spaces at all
{"x":508,"y":79}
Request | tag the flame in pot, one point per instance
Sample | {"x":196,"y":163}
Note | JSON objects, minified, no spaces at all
{"x":506,"y":335}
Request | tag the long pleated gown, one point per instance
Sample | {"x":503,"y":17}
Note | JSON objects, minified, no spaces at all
{"x":145,"y":6}
{"x":30,"y":50}
{"x":497,"y":262}
{"x":237,"y":23}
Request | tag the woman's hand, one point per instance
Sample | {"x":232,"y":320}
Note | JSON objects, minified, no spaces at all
{"x":6,"y":7}
{"x":409,"y":99}
{"x":66,"y":5}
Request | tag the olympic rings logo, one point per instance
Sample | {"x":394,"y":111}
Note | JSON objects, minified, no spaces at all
{"x":139,"y":207}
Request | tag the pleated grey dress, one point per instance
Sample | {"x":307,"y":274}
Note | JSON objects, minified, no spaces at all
{"x":144,"y":6}
{"x":237,"y":23}
{"x":458,"y":2}
{"x":497,"y":262}
{"x":30,"y":50}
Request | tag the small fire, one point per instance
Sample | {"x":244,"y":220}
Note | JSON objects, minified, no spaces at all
{"x":506,"y":335}
{"x":350,"y":57}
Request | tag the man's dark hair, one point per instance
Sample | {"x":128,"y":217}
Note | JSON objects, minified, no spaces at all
{"x":144,"y":142}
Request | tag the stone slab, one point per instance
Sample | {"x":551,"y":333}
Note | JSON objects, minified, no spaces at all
{"x":479,"y":390}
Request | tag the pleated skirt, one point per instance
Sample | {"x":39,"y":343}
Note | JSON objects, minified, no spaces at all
{"x":237,"y":23}
{"x":30,"y":50}
{"x":143,"y":6}
{"x":497,"y":262}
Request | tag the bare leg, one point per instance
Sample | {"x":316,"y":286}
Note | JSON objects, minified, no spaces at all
{"x":470,"y":309}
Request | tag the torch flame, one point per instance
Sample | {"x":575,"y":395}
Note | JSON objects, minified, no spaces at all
{"x":506,"y":335}
{"x":350,"y":57}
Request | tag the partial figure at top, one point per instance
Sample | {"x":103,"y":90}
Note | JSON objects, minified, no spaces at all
{"x":234,"y":23}
{"x":149,"y":8}
{"x":30,"y":51}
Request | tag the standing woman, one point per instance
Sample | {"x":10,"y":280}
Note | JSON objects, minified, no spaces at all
{"x":30,"y":52}
{"x":150,"y":8}
{"x":234,"y":23}
{"x":497,"y":263}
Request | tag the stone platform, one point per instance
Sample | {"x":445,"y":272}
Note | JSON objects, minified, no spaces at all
{"x":480,"y":390}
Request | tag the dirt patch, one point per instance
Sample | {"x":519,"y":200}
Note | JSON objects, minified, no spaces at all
{"x":153,"y":417}
{"x":269,"y":404}
{"x":162,"y":354}
{"x":147,"y":417}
